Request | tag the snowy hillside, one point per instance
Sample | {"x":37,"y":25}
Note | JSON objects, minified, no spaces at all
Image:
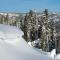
{"x":14,"y":47}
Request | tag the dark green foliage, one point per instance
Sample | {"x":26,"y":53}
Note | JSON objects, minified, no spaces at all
{"x":51,"y":45}
{"x":33,"y":35}
{"x":39,"y":31}
{"x":6,"y":19}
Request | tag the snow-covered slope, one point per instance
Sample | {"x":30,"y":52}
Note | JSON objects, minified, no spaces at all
{"x":14,"y":47}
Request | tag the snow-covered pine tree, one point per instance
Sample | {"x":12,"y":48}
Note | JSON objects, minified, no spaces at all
{"x":44,"y":36}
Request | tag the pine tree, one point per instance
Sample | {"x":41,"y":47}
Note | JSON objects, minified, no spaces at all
{"x":1,"y":19}
{"x":25,"y":27}
{"x":30,"y":26}
{"x":6,"y":19}
{"x":44,"y":35}
{"x":53,"y":37}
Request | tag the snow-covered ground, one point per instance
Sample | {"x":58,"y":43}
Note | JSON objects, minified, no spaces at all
{"x":14,"y":47}
{"x":51,"y":54}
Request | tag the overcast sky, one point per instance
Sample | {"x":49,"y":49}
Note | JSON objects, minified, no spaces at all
{"x":26,"y":5}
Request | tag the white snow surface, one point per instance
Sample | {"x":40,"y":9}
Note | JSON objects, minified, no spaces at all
{"x":57,"y":57}
{"x":14,"y":47}
{"x":53,"y":53}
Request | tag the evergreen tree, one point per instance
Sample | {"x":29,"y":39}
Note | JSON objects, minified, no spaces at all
{"x":1,"y":19}
{"x":25,"y":27}
{"x":6,"y":19}
{"x":52,"y":41}
{"x":44,"y":35}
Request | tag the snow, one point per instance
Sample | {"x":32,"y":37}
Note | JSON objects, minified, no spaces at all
{"x":53,"y":53}
{"x":10,"y":14}
{"x":30,"y":44}
{"x":57,"y":56}
{"x":14,"y":47}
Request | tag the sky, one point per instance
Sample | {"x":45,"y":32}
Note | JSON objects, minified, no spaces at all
{"x":26,"y":5}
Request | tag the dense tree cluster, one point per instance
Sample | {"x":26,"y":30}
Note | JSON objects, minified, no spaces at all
{"x":44,"y":31}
